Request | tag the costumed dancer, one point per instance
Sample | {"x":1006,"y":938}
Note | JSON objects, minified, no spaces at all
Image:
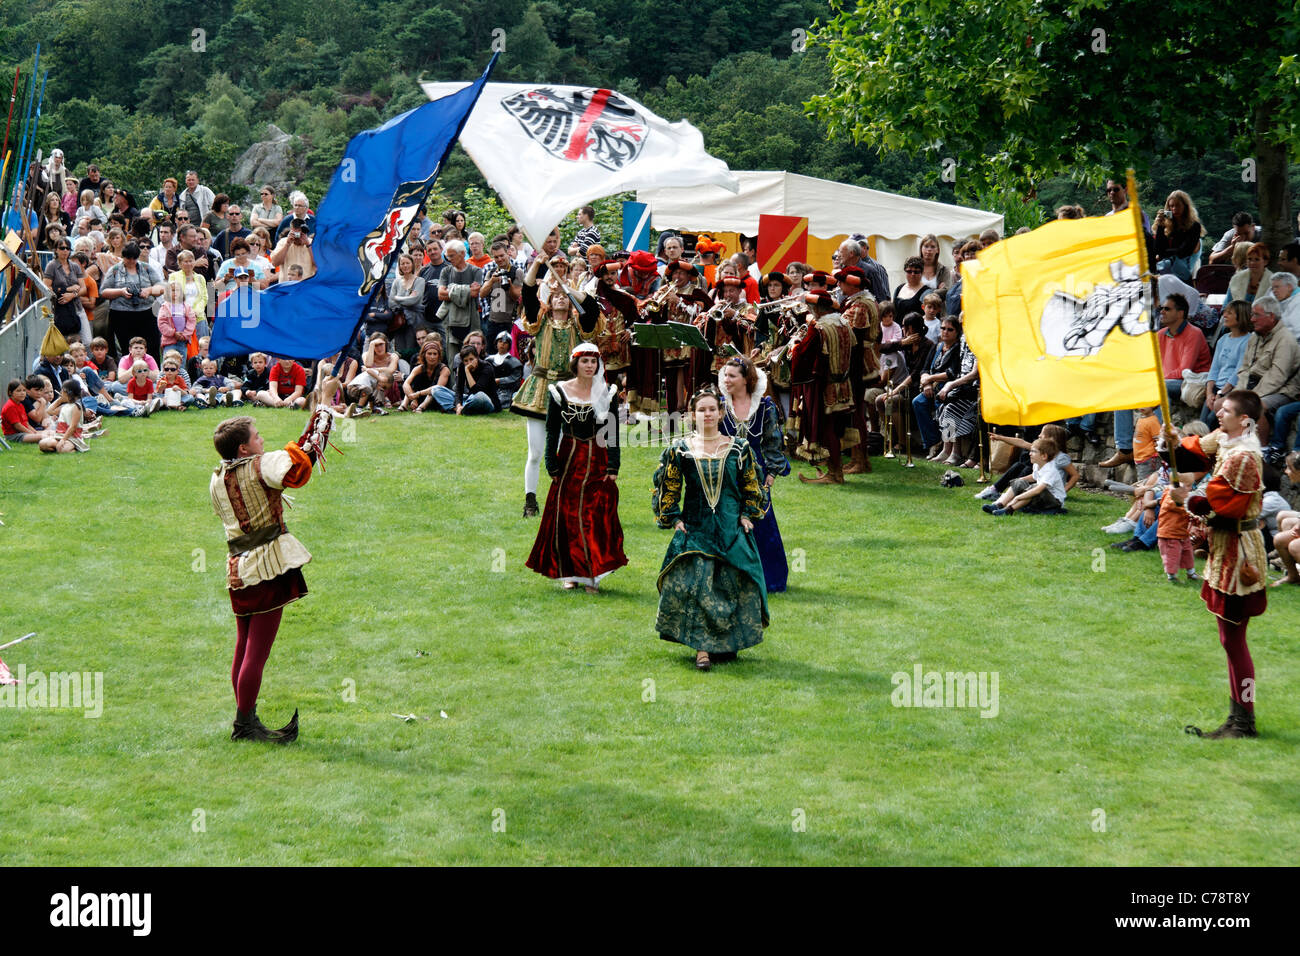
{"x":264,"y":570}
{"x":558,"y":319}
{"x":859,"y":308}
{"x":580,"y":539}
{"x":751,"y":414}
{"x":640,"y":279}
{"x":821,"y":358}
{"x":712,"y":594}
{"x":1234,"y":579}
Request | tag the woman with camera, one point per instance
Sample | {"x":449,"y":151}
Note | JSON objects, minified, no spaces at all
{"x":131,"y":287}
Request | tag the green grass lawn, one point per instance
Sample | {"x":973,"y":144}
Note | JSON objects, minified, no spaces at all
{"x":573,"y":734}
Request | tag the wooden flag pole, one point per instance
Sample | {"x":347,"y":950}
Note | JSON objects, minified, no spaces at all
{"x":1154,"y":290}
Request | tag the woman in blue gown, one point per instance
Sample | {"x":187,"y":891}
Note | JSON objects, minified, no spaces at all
{"x":752,"y":415}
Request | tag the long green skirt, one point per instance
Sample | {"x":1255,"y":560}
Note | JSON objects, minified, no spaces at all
{"x":709,"y":605}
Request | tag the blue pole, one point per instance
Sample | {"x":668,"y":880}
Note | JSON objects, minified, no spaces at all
{"x":20,"y":178}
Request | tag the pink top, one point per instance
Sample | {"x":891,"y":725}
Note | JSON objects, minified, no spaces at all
{"x":124,"y":366}
{"x":175,"y":320}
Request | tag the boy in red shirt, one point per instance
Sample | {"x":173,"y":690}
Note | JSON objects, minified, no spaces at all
{"x":14,"y":415}
{"x":288,"y":385}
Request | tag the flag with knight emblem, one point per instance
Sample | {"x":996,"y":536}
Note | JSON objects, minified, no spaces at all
{"x":1058,"y":320}
{"x":361,"y":227}
{"x":547,"y":150}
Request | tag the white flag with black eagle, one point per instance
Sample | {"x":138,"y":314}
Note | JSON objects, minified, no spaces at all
{"x":546,"y":149}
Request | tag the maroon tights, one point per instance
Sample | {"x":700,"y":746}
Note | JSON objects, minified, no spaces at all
{"x":1240,"y":667}
{"x":252,"y":648}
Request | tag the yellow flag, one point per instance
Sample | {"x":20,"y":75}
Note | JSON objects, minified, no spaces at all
{"x":1057,"y":319}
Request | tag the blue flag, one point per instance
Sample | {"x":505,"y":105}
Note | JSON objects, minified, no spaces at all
{"x":636,"y":226}
{"x":385,"y":176}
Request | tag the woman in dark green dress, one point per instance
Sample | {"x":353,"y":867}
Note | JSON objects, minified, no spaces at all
{"x":712,"y":595}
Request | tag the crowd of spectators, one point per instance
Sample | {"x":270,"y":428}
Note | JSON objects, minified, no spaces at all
{"x":443,"y":334}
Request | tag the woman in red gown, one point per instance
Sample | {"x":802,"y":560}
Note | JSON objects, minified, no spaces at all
{"x":580,"y":539}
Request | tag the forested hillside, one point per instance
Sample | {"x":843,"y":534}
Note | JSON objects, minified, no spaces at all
{"x":146,"y":91}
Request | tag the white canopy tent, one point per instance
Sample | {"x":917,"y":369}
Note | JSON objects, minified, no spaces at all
{"x":834,"y":210}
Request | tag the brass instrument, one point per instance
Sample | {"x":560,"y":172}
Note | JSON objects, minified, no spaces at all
{"x":909,"y":463}
{"x":889,"y":427}
{"x":658,"y":298}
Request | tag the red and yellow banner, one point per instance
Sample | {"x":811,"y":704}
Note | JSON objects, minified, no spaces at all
{"x":781,"y":241}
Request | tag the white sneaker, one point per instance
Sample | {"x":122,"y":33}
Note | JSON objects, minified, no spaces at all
{"x":988,"y":494}
{"x":1122,"y":526}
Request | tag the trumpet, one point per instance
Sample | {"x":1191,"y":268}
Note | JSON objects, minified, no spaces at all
{"x":658,"y":298}
{"x":889,"y":427}
{"x":774,"y":303}
{"x":907,"y":415}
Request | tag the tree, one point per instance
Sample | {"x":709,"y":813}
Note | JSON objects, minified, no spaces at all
{"x":1009,"y":94}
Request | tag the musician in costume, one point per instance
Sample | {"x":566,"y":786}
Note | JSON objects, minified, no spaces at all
{"x":776,"y":286}
{"x":680,"y":298}
{"x":639,"y":278}
{"x":618,"y":310}
{"x":859,"y":308}
{"x":264,"y":568}
{"x":1234,"y":580}
{"x":712,"y":593}
{"x":558,"y":318}
{"x":751,"y":414}
{"x":728,"y":322}
{"x":821,"y":357}
{"x":580,"y":540}
{"x":774,"y":329}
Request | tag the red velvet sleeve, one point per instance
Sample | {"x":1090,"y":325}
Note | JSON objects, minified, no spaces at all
{"x":300,"y":473}
{"x":1225,"y":501}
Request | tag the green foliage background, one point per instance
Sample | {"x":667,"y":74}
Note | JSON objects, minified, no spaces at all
{"x":147,"y":89}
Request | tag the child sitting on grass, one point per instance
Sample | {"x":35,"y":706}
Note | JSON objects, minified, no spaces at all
{"x":138,"y":351}
{"x":172,"y":385}
{"x":140,"y":392}
{"x":212,"y":389}
{"x":40,"y":393}
{"x":256,"y":377}
{"x":1044,"y":492}
{"x":288,"y":385}
{"x":1022,"y":467}
{"x":68,"y":436}
{"x":14,"y":415}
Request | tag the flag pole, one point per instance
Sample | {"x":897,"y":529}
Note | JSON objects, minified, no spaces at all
{"x":1154,"y":291}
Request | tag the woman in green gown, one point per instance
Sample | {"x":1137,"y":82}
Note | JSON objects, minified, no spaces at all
{"x":712,"y":594}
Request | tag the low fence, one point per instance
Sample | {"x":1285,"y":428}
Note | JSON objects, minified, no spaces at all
{"x":20,"y":341}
